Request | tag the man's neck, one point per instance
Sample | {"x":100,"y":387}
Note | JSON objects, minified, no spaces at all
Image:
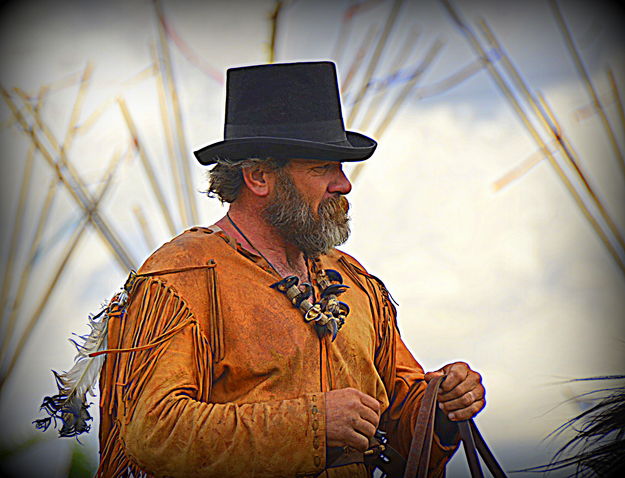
{"x":256,"y":235}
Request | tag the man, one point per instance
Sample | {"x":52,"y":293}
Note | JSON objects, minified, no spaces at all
{"x":253,"y":347}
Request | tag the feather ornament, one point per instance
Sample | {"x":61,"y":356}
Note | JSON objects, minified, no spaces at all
{"x":69,"y":406}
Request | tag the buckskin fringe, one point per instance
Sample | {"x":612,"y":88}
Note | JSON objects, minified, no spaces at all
{"x":136,"y":346}
{"x":386,"y":314}
{"x":215,"y":318}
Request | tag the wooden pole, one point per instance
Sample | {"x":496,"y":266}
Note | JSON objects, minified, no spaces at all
{"x":344,"y":31}
{"x":183,"y":151}
{"x":394,"y":108}
{"x":373,"y":63}
{"x":519,"y":171}
{"x":590,"y":88}
{"x":505,"y":89}
{"x":95,"y":115}
{"x":19,"y":213}
{"x":28,"y":169}
{"x":49,"y":136}
{"x":147,"y":166}
{"x":16,"y":230}
{"x":450,"y":81}
{"x":416,"y":74}
{"x":360,"y":54}
{"x":75,"y":115}
{"x":273,"y":18}
{"x":169,"y":139}
{"x":71,"y":180}
{"x":69,"y":250}
{"x":144,"y":226}
{"x":403,"y":53}
{"x":346,"y":23}
{"x":573,"y":158}
{"x":548,"y":120}
{"x":146,"y":73}
{"x":26,"y":272}
{"x":65,"y":82}
{"x":617,"y":98}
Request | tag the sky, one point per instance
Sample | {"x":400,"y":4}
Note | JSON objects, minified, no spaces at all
{"x":513,"y":281}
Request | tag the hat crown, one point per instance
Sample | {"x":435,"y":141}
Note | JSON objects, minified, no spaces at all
{"x":291,"y":100}
{"x":285,"y":110}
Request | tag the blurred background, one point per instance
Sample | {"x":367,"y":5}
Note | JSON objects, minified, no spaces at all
{"x":492,"y":209}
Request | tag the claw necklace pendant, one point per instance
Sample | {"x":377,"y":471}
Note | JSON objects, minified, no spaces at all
{"x":328,"y":314}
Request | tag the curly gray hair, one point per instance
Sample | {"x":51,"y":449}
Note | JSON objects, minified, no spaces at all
{"x":225,"y":179}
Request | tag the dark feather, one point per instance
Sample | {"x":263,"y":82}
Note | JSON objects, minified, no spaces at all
{"x":335,"y":289}
{"x":333,"y":275}
{"x":69,"y":406}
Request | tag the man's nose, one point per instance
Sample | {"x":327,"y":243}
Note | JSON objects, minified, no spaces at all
{"x":340,"y":184}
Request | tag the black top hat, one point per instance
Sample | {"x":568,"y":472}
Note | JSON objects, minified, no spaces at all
{"x":288,"y":110}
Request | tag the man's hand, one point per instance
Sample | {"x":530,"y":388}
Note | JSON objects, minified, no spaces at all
{"x":351,"y":418}
{"x":461,"y":395}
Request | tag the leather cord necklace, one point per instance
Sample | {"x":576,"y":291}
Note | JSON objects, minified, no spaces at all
{"x":251,"y":244}
{"x":328,"y":314}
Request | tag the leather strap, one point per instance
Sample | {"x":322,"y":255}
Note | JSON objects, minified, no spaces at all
{"x":489,"y":459}
{"x":469,"y":449}
{"x":421,"y":446}
{"x":419,"y":455}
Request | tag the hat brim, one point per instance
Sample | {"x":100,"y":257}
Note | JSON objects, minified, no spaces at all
{"x":360,"y":147}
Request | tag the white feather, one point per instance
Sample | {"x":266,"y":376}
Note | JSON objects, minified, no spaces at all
{"x":82,"y":377}
{"x":70,"y":404}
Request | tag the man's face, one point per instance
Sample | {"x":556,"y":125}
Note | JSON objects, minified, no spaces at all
{"x":308,"y":206}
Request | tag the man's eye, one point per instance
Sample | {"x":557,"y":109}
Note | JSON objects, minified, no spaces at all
{"x":321,"y":169}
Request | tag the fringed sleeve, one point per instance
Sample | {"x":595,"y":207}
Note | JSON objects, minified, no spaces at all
{"x":402,"y":375}
{"x":157,"y":417}
{"x":135,"y":349}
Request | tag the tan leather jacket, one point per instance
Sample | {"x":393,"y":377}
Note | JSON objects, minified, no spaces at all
{"x":213,"y":373}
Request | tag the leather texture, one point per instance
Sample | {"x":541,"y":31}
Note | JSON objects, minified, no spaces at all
{"x":213,"y":373}
{"x":421,"y":446}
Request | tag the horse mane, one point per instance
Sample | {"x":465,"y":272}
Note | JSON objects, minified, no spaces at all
{"x":598,"y":447}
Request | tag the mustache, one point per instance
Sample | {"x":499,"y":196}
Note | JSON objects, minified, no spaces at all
{"x":334,"y":207}
{"x":315,"y":230}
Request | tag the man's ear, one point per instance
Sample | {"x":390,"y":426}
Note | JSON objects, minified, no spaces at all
{"x":258,"y":180}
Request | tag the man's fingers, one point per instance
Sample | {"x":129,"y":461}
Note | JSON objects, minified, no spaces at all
{"x":463,"y":401}
{"x":351,"y":418}
{"x":456,"y":374}
{"x":357,"y":441}
{"x":461,"y":395}
{"x":472,"y":381}
{"x":430,"y":375}
{"x":364,"y":427}
{"x":370,"y":416}
{"x":355,"y":433}
{"x":467,"y":413}
{"x":370,"y":402}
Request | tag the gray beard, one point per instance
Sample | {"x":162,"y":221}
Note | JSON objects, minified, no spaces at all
{"x":314,"y":234}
